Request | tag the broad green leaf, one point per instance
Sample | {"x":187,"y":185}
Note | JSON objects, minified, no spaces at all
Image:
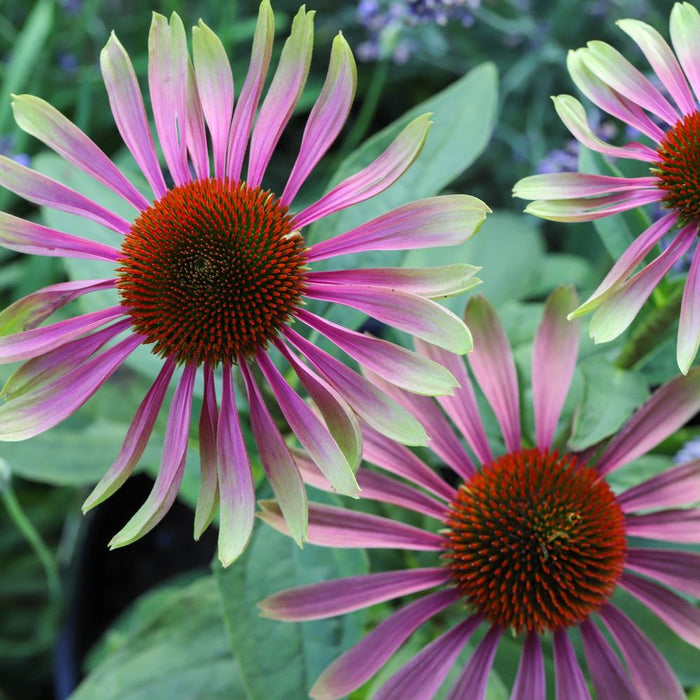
{"x":178,"y":651}
{"x":281,"y":660}
{"x":610,"y":395}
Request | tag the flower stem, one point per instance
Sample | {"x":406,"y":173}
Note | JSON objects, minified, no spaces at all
{"x":651,"y":331}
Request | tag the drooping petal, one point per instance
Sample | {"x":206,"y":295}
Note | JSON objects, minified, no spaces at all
{"x":44,"y":191}
{"x":250,"y":93}
{"x":327,"y":116}
{"x":421,"y":677}
{"x":339,"y":527}
{"x":689,"y":320}
{"x":530,"y":681}
{"x":35,"y":239}
{"x":461,"y":407}
{"x":362,"y":661}
{"x":473,"y":680}
{"x":278,"y":463}
{"x":383,"y":172}
{"x":282,"y":96}
{"x":609,"y":677}
{"x":129,"y":112}
{"x":492,"y":362}
{"x":675,"y":568}
{"x":30,"y":311}
{"x":310,"y":431}
{"x":41,"y":120}
{"x":371,"y":404}
{"x":236,"y":487}
{"x":427,"y":223}
{"x":135,"y":441}
{"x":684,"y":26}
{"x":680,"y":615}
{"x":650,"y":672}
{"x":337,"y":415}
{"x":571,"y":685}
{"x":667,"y":525}
{"x":662,"y":60}
{"x":669,"y":408}
{"x":414,"y":314}
{"x":215,"y":86}
{"x":674,"y":487}
{"x":340,"y":596}
{"x":36,"y":341}
{"x":429,"y":282}
{"x":553,"y":362}
{"x":619,"y":310}
{"x":574,"y":185}
{"x":167,"y":83}
{"x":172,"y":465}
{"x":397,"y":365}
{"x":208,"y":498}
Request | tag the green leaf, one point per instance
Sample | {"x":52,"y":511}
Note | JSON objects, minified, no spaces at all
{"x":610,"y":395}
{"x":179,"y":650}
{"x":281,"y":660}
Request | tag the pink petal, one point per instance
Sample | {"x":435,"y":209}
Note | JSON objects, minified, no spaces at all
{"x":494,"y":368}
{"x":575,"y":185}
{"x":619,"y":310}
{"x":44,"y":191}
{"x":195,"y":131}
{"x":421,"y":677}
{"x":362,"y":661}
{"x":129,"y":112}
{"x":236,"y":487}
{"x":571,"y":685}
{"x":327,"y":117}
{"x":685,"y":25}
{"x":135,"y":441}
{"x":172,"y":465}
{"x":280,"y":468}
{"x":553,"y":362}
{"x":473,"y":680}
{"x":344,"y":595}
{"x":461,"y":407}
{"x":609,"y":677}
{"x":650,"y":672}
{"x":36,"y":341}
{"x":391,"y":362}
{"x":339,"y":527}
{"x":167,"y":82}
{"x":310,"y":431}
{"x":674,"y":487}
{"x":689,"y":321}
{"x":427,"y":223}
{"x":215,"y":86}
{"x":414,"y":314}
{"x":35,"y":239}
{"x":372,"y":405}
{"x":282,"y":95}
{"x":675,"y":568}
{"x":41,"y":120}
{"x":383,"y":172}
{"x":680,"y":615}
{"x":666,"y":525}
{"x":669,"y":408}
{"x":208,"y":498}
{"x":252,"y":88}
{"x":530,"y":681}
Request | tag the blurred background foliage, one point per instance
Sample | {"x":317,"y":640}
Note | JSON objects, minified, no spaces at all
{"x":154,"y":620}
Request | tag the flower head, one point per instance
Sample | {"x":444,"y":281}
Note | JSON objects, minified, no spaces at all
{"x":212,"y":271}
{"x":532,"y":542}
{"x":668,"y":119}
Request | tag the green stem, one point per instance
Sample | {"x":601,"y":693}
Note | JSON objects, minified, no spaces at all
{"x":651,"y":331}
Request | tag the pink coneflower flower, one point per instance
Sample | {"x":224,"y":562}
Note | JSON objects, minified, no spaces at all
{"x":214,"y":270}
{"x":671,"y":133}
{"x":532,"y":542}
